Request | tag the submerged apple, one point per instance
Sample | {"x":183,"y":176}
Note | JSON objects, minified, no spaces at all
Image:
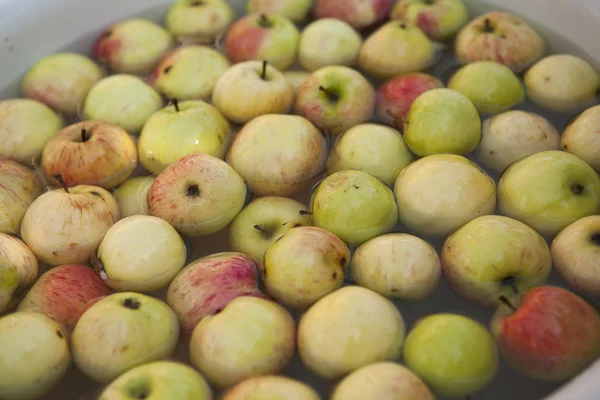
{"x":439,"y":19}
{"x":18,"y":270}
{"x":295,"y":10}
{"x":199,"y":21}
{"x":358,"y":13}
{"x":581,"y":137}
{"x":132,"y":195}
{"x":271,"y":387}
{"x":19,"y":187}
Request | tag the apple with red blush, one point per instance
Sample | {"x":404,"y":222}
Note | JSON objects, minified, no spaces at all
{"x":358,"y":13}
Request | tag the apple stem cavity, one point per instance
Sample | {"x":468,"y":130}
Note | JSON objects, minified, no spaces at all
{"x":596,"y":238}
{"x":131,"y":304}
{"x":510,"y":281}
{"x":264,"y":22}
{"x":430,"y":3}
{"x":402,"y":25}
{"x":193,"y":190}
{"x":196,"y":3}
{"x":577,"y":189}
{"x":304,"y":212}
{"x":84,"y":137}
{"x":507,"y":303}
{"x":263,"y":75}
{"x":60,"y":180}
{"x":488,"y":27}
{"x":331,"y":95}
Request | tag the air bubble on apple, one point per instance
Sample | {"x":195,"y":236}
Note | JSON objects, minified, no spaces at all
{"x":18,"y":270}
{"x":250,"y":337}
{"x":439,"y":19}
{"x":335,"y":98}
{"x":122,"y":331}
{"x":347,"y":329}
{"x":132,"y":46}
{"x":19,"y":187}
{"x":34,"y":355}
{"x":62,"y":81}
{"x":132,"y":196}
{"x":549,"y":190}
{"x":271,"y":386}
{"x":199,"y":195}
{"x":438,"y":194}
{"x":375,"y":149}
{"x":25,"y":127}
{"x":359,"y":14}
{"x":581,"y":137}
{"x":397,"y":265}
{"x":199,"y":21}
{"x":123,"y":100}
{"x":251,"y":89}
{"x":182,"y":129}
{"x":513,"y":135}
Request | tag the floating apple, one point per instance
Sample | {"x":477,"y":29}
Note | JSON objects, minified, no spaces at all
{"x":581,"y":137}
{"x":18,"y":270}
{"x":132,"y":196}
{"x":439,"y":19}
{"x":199,"y":21}
{"x":19,"y":187}
{"x":358,"y":13}
{"x":271,"y":386}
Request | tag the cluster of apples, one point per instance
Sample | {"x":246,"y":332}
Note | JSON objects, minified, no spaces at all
{"x":226,"y":137}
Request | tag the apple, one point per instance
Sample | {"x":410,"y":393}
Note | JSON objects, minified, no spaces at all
{"x":263,"y":221}
{"x":122,"y":331}
{"x":140,"y":253}
{"x":371,"y":148}
{"x":34,"y":355}
{"x":132,"y":196}
{"x":562,"y":83}
{"x":549,"y":333}
{"x":439,"y":19}
{"x":575,"y":253}
{"x":132,"y":46}
{"x":278,"y":154}
{"x":347,"y":329}
{"x":395,"y":96}
{"x":65,"y":226}
{"x":178,"y":75}
{"x":382,"y":380}
{"x":304,"y":265}
{"x":335,"y":98}
{"x":199,"y":21}
{"x":250,"y":337}
{"x":262,"y":37}
{"x":182,"y":129}
{"x":61,"y":81}
{"x":327,"y":42}
{"x":396,"y":48}
{"x":442,"y":121}
{"x":493,"y":256}
{"x":64,"y":293}
{"x":25,"y":127}
{"x":438,"y":194}
{"x":271,"y":387}
{"x":205,"y":286}
{"x":502,"y":37}
{"x":123,"y":100}
{"x":296,"y":78}
{"x":513,"y":135}
{"x":491,"y":86}
{"x":355,"y":206}
{"x":397,"y":265}
{"x":549,"y":190}
{"x":90,"y":153}
{"x":358,"y":13}
{"x":466,"y":358}
{"x":19,"y":187}
{"x":18,"y":270}
{"x":198,"y":194}
{"x":251,"y":89}
{"x":581,"y":137}
{"x":296,"y":11}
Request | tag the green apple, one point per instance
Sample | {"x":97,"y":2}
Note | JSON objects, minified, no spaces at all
{"x":199,"y":21}
{"x":19,"y":187}
{"x":575,"y":253}
{"x":439,"y":19}
{"x":18,"y":270}
{"x":491,"y":86}
{"x":140,"y":253}
{"x":177,"y":76}
{"x":347,"y":329}
{"x":296,"y":78}
{"x":438,"y":194}
{"x":494,"y":256}
{"x":382,"y":380}
{"x":34,"y":355}
{"x":132,"y":196}
{"x":250,"y":337}
{"x":61,"y":81}
{"x":25,"y":128}
{"x":182,"y":129}
{"x":355,"y":206}
{"x":454,"y":355}
{"x":272,"y":387}
{"x":387,"y":265}
{"x":581,"y":137}
{"x":549,"y":190}
{"x":124,"y":100}
{"x":157,"y":381}
{"x":250,"y":89}
{"x":442,"y":121}
{"x":122,"y":331}
{"x":512,"y":136}
{"x":562,"y":83}
{"x":375,"y":149}
{"x":328,"y":41}
{"x":295,"y":10}
{"x":263,"y":221}
{"x":394,"y":49}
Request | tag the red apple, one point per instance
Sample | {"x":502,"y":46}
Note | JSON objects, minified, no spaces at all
{"x":550,"y":334}
{"x":395,"y":96}
{"x":208,"y":284}
{"x":358,"y":13}
{"x":64,"y":293}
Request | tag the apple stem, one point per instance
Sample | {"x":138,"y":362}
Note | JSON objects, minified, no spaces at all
{"x":305,"y":212}
{"x":264,"y":70}
{"x":176,"y":104}
{"x":333,"y":97}
{"x":507,"y":303}
{"x":84,"y":137}
{"x":260,"y":228}
{"x":60,"y":180}
{"x":488,"y":25}
{"x":264,"y":22}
